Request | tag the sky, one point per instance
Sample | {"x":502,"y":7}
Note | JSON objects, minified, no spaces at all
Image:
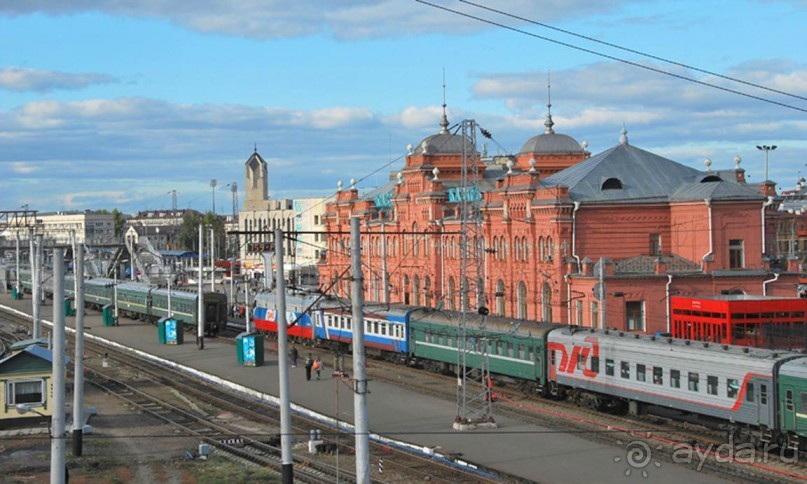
{"x":116,"y":103}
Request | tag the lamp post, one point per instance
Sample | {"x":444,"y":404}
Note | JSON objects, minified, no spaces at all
{"x":767,"y":149}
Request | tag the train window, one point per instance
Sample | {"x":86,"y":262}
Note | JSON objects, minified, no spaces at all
{"x":711,"y":385}
{"x":595,"y":364}
{"x":737,"y":315}
{"x":510,"y":349}
{"x":804,"y":401}
{"x":552,"y":356}
{"x":658,"y":375}
{"x":749,"y":392}
{"x":732,"y":387}
{"x":640,"y":373}
{"x":675,"y":378}
{"x":581,"y":362}
{"x":789,"y":399}
{"x":763,"y":394}
{"x":609,"y":367}
{"x":625,"y":369}
{"x":766,"y":315}
{"x":383,"y":329}
{"x":521,"y":351}
{"x":694,"y":380}
{"x":798,"y":315}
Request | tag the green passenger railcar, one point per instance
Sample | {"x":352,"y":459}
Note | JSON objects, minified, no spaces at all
{"x":133,"y":300}
{"x":792,"y":401}
{"x":515,"y":348}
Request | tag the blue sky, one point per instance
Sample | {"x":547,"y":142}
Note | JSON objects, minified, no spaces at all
{"x":114,"y":103}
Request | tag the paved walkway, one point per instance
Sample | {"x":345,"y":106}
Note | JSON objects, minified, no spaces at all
{"x":529,"y":451}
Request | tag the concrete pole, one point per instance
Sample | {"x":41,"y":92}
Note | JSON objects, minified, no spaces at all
{"x":232,"y":281}
{"x":267,"y":274}
{"x":115,"y":291}
{"x":33,"y":254}
{"x":17,"y":274}
{"x":384,"y":274}
{"x":602,"y":294}
{"x":247,"y":315}
{"x":359,"y":371}
{"x":40,"y":251}
{"x":170,"y":281}
{"x":57,"y":443}
{"x":200,"y":309}
{"x":78,"y":371}
{"x":282,"y":360}
{"x":212,"y":262}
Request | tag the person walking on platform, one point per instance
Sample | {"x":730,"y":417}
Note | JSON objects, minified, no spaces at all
{"x":294,"y":356}
{"x":317,"y":366}
{"x":309,"y":363}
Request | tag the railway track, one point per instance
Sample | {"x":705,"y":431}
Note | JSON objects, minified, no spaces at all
{"x":221,"y":437}
{"x":664,"y":436}
{"x":261,"y":450}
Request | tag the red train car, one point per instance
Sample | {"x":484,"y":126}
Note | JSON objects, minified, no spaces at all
{"x":758,"y":321}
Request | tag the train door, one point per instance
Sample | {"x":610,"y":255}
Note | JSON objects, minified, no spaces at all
{"x":759,"y":391}
{"x":788,"y":408}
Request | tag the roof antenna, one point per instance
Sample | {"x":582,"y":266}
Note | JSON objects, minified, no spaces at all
{"x":444,"y":121}
{"x":548,"y":123}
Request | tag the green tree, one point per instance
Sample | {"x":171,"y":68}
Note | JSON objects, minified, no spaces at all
{"x":189,"y":232}
{"x":119,"y":221}
{"x":118,"y":218}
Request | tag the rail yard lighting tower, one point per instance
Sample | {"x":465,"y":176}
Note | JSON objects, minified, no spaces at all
{"x":767,"y":149}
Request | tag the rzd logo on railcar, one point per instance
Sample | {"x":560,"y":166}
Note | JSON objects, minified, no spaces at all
{"x":565,"y":362}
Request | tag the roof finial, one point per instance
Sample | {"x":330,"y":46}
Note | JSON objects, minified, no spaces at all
{"x":444,"y":121}
{"x":548,"y":123}
{"x":623,"y":135}
{"x":256,"y":147}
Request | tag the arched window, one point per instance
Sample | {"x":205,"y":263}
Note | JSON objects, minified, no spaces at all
{"x":416,"y":290}
{"x":526,"y":248}
{"x":546,"y":302}
{"x":522,"y":300}
{"x":550,"y":249}
{"x":500,"y":298}
{"x":541,"y":251}
{"x":452,"y":294}
{"x":406,"y":288}
{"x":427,"y":291}
{"x":415,"y":239}
{"x":516,"y":249}
{"x":612,"y":184}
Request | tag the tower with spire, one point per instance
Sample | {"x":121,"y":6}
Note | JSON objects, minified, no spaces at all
{"x":257,"y":183}
{"x":550,"y":152}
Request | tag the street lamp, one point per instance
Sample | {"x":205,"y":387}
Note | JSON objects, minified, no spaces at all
{"x":767,"y":149}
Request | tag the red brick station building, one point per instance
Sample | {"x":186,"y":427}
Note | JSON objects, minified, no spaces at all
{"x":599,"y":241}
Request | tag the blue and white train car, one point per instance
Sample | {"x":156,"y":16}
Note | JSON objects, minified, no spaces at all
{"x":384,"y":330}
{"x":299,"y":322}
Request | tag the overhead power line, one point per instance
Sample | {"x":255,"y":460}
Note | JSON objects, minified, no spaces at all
{"x":614,"y":58}
{"x":634,"y":51}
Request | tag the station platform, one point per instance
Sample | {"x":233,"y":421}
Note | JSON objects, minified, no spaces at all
{"x":531,"y":452}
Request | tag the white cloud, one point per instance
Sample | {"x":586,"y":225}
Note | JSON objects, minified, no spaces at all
{"x":27,"y":79}
{"x":24,"y":168}
{"x":346,"y":19}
